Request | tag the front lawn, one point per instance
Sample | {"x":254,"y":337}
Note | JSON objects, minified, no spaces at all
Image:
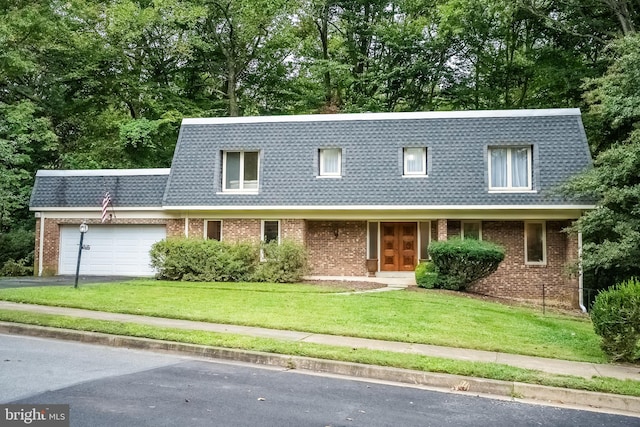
{"x":431,"y":317}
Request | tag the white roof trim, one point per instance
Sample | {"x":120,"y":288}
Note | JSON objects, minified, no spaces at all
{"x":385,"y":116}
{"x":94,"y":208}
{"x":103,"y":172}
{"x":382,"y":207}
{"x":325,"y":208}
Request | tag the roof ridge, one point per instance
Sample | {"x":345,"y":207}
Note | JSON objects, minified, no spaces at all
{"x":548,"y":112}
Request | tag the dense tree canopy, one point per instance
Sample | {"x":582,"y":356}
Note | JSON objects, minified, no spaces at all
{"x":612,"y":231}
{"x":95,"y":84}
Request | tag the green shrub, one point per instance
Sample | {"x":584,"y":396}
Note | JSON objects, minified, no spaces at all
{"x":21,"y":267}
{"x":426,"y":276}
{"x":203,"y":260}
{"x":616,"y":318}
{"x":16,"y":253}
{"x":460,"y":263}
{"x":240,"y":261}
{"x":199,"y":260}
{"x":282,"y":263}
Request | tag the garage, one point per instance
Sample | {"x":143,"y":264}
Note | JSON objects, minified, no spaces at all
{"x":115,"y":250}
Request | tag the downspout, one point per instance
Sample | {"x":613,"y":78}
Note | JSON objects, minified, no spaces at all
{"x":580,"y":275}
{"x":186,"y":225}
{"x":41,"y":245}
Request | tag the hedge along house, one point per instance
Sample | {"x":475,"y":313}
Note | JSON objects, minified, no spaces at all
{"x":365,"y":193}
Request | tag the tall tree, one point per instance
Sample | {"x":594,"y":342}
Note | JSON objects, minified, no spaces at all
{"x":612,"y":231}
{"x":507,"y":57}
{"x":232,"y":38}
{"x":23,"y":136}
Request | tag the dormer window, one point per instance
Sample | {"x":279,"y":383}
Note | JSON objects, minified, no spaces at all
{"x":415,"y":161}
{"x":510,"y":168}
{"x":240,"y":171}
{"x":330,"y":162}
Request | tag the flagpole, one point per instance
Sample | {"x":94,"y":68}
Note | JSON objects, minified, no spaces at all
{"x":106,"y":201}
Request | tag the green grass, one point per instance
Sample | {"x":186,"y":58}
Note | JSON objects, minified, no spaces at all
{"x":346,"y":354}
{"x":429,"y":317}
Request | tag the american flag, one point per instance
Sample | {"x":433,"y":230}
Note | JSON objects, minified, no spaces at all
{"x":105,"y":204}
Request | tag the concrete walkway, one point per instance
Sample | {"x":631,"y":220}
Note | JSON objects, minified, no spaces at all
{"x":553,"y":366}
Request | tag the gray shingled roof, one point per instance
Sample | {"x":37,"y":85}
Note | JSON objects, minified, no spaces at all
{"x":86,"y":188}
{"x":372,"y":158}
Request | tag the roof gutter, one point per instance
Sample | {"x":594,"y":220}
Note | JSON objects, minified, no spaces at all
{"x":580,"y":275}
{"x":41,"y":245}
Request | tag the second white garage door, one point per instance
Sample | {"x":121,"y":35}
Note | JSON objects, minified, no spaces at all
{"x":115,"y":250}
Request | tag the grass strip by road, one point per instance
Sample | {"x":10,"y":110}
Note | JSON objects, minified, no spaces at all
{"x":426,"y":317}
{"x":320,"y":351}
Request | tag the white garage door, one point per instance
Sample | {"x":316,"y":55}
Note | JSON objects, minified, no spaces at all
{"x":115,"y":250}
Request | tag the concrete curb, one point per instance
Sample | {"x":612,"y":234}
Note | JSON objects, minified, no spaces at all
{"x":628,"y":404}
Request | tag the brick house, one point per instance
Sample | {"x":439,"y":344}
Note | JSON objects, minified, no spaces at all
{"x":359,"y":190}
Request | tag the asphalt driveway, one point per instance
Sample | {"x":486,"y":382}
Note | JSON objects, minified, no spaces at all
{"x":27,"y":281}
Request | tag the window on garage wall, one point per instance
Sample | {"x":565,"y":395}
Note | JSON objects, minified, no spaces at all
{"x":213,"y":230}
{"x":271,"y":231}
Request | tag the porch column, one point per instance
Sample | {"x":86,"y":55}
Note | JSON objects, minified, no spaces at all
{"x":442,"y":229}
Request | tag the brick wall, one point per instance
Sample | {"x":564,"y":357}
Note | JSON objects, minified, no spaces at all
{"x":294,"y":229}
{"x":440,"y":230}
{"x":342,"y":255}
{"x":248,"y":230}
{"x":175,"y":228}
{"x":196,"y":228}
{"x":516,"y":280}
{"x":50,"y":249}
{"x":241,"y":230}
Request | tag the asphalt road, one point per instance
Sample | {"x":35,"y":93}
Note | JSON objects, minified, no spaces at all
{"x":119,"y":387}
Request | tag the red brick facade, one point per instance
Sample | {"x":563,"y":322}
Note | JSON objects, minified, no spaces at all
{"x":339,"y":248}
{"x":241,"y":230}
{"x":175,"y":227}
{"x":515,"y":279}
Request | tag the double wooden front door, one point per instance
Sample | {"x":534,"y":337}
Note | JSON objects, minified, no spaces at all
{"x":398,"y":247}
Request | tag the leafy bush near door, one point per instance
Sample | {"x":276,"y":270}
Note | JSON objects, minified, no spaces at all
{"x":616,"y":318}
{"x":459,"y":263}
{"x":426,"y":276}
{"x":201,"y":260}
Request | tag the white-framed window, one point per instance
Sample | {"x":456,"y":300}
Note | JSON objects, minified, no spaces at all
{"x":240,"y":171}
{"x":270,"y":231}
{"x":510,"y":168}
{"x":213,"y":230}
{"x":535,"y":243}
{"x":372,"y":240}
{"x":424,"y":234}
{"x":471,"y":230}
{"x":414,"y":161}
{"x":330,"y":162}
